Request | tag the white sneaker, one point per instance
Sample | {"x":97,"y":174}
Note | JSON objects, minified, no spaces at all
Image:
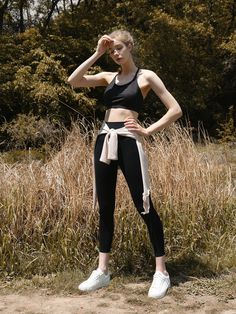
{"x":96,"y":280}
{"x":160,"y":285}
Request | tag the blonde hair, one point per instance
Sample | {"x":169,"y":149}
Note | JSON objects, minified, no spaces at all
{"x":123,"y":36}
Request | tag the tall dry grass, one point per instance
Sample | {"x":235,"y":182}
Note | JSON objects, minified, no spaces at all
{"x":47,"y":223}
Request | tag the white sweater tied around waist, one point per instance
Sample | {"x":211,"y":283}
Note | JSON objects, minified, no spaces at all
{"x":110,"y":152}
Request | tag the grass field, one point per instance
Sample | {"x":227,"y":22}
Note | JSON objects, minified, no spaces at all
{"x":48,"y":225}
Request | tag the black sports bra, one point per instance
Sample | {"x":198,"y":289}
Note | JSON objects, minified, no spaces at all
{"x":127,"y":96}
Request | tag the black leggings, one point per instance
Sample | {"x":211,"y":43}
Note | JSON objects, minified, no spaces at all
{"x":106,"y":176}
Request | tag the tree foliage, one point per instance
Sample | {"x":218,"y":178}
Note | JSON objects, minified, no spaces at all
{"x":190,"y":45}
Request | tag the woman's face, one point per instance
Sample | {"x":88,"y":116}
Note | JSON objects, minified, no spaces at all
{"x":119,"y":51}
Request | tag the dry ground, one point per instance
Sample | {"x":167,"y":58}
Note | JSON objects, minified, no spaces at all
{"x":123,"y":296}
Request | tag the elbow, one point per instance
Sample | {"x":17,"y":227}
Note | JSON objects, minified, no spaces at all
{"x":179,"y":113}
{"x":176,"y":113}
{"x":70,"y":81}
{"x":75,"y":82}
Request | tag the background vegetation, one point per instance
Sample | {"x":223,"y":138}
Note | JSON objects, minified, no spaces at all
{"x":191,"y":45}
{"x":48,"y":224}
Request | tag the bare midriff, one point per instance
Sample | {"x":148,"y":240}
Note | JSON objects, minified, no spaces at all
{"x":119,"y":114}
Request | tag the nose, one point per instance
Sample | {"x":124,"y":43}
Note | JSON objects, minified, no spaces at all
{"x":116,"y":52}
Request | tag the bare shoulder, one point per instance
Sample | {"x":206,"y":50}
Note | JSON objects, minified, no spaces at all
{"x":149,"y":75}
{"x":153,"y":80}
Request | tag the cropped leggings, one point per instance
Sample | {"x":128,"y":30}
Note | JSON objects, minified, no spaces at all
{"x":106,"y":177}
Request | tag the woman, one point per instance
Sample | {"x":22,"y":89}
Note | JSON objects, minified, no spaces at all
{"x":119,"y":144}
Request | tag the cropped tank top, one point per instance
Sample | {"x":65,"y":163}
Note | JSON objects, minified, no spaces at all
{"x":127,"y":96}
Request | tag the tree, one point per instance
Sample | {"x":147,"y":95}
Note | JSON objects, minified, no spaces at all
{"x":54,"y":3}
{"x":191,"y":46}
{"x":34,"y":81}
{"x":3,"y":10}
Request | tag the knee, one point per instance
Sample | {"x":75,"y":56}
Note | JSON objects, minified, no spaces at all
{"x":106,"y":213}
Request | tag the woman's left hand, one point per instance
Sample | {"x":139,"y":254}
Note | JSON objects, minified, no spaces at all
{"x":133,"y":126}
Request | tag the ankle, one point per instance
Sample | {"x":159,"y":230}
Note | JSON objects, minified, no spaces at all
{"x":162,"y":270}
{"x":161,"y":265}
{"x":103,"y":262}
{"x":103,"y":269}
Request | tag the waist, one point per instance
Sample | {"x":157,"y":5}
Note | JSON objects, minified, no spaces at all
{"x":119,"y":114}
{"x":113,"y":131}
{"x":115,"y":124}
{"x":115,"y":128}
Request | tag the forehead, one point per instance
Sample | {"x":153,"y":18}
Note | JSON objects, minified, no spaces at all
{"x":116,"y":43}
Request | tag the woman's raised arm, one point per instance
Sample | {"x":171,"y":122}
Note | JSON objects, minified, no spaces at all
{"x":78,"y":77}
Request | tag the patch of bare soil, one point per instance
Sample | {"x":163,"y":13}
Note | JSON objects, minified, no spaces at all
{"x":187,"y":295}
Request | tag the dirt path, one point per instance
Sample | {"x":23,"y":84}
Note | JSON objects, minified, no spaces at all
{"x":193,"y":296}
{"x":113,"y":303}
